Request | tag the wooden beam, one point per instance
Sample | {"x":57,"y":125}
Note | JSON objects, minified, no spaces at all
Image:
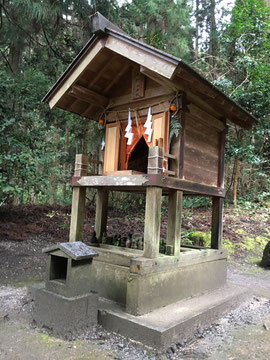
{"x":89,"y":96}
{"x":152,"y":93}
{"x":142,"y":57}
{"x":170,"y":156}
{"x":88,"y":109}
{"x":78,"y":201}
{"x":76,"y":72}
{"x":152,"y":222}
{"x":145,"y":180}
{"x":181,"y":154}
{"x":222,"y":105}
{"x":217,"y":225}
{"x":111,"y":181}
{"x":116,"y":79}
{"x":221,"y":158}
{"x":138,"y":84}
{"x":174,"y":220}
{"x":163,"y":106}
{"x":101,"y":212}
{"x":159,"y":79}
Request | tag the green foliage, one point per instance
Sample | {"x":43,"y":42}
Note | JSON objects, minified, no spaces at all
{"x":40,"y":38}
{"x":195,"y":202}
{"x":200,"y":238}
{"x":165,"y":24}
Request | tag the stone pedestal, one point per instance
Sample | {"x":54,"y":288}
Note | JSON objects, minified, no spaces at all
{"x":61,"y":315}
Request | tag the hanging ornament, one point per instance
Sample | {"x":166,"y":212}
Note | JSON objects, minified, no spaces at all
{"x":173,"y":108}
{"x":130,"y":138}
{"x":129,"y":134}
{"x":102,"y":144}
{"x":148,"y":125}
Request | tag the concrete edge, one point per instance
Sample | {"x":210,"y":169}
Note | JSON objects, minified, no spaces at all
{"x":162,"y":338}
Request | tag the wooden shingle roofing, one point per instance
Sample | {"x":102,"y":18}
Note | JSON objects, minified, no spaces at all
{"x":114,"y":50}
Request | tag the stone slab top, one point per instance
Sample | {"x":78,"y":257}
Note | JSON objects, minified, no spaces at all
{"x":77,"y":250}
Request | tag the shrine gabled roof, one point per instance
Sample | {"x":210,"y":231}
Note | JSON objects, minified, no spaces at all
{"x":87,"y":85}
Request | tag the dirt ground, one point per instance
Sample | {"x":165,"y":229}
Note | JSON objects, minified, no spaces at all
{"x":24,"y":231}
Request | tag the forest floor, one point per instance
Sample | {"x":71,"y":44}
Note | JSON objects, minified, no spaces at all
{"x":25,"y":230}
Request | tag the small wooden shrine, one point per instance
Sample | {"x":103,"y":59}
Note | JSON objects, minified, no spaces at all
{"x":165,"y":129}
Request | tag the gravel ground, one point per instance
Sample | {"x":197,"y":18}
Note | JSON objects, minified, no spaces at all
{"x":242,"y":334}
{"x":225,"y":339}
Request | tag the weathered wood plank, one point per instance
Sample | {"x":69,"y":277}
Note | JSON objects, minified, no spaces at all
{"x":111,"y":181}
{"x":88,"y":96}
{"x":150,"y":93}
{"x":222,"y":158}
{"x":155,"y":160}
{"x":201,"y":131}
{"x":218,"y":101}
{"x":142,"y":57}
{"x":170,"y":156}
{"x":78,"y":200}
{"x":217,"y":225}
{"x":159,"y":78}
{"x":78,"y":71}
{"x":117,"y":78}
{"x":124,"y":172}
{"x":174,"y":220}
{"x":101,"y":212}
{"x":138,"y":84}
{"x":190,"y":186}
{"x":112,"y":142}
{"x":152,"y":222}
{"x":142,"y":110}
{"x":175,"y":150}
{"x":142,"y":181}
{"x":197,"y":157}
{"x":205,"y":117}
{"x":200,"y":175}
{"x":77,"y":214}
{"x":182,"y":115}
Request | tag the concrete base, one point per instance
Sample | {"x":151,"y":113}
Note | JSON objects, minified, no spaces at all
{"x":179,"y":321}
{"x":143,"y":285}
{"x":63,"y":315}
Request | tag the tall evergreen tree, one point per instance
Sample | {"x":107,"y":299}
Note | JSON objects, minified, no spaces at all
{"x":165,"y":24}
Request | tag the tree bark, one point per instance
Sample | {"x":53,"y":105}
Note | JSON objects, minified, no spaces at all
{"x":235,"y":180}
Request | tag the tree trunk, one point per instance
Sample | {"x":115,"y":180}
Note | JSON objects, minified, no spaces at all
{"x":197,"y":35}
{"x":235,"y":180}
{"x":213,"y":39}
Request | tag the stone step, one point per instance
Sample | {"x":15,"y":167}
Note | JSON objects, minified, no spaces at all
{"x":176,"y":322}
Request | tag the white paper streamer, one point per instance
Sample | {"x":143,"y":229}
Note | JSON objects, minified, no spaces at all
{"x":148,"y":125}
{"x":102,"y":144}
{"x":130,"y":138}
{"x":129,"y":135}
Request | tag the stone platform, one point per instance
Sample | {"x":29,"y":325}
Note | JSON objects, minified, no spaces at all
{"x":179,"y":321}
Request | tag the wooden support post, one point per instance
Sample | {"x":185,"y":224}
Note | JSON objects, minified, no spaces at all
{"x":152,"y":222}
{"x":217,"y":227}
{"x":78,"y":200}
{"x":101,"y":213}
{"x":174,"y":221}
{"x":155,"y":160}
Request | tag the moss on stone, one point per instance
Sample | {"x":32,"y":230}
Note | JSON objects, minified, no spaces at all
{"x":200,"y":238}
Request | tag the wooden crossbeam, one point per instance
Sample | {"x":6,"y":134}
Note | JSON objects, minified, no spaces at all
{"x":159,"y":79}
{"x":116,"y":79}
{"x":170,"y":156}
{"x":89,"y":96}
